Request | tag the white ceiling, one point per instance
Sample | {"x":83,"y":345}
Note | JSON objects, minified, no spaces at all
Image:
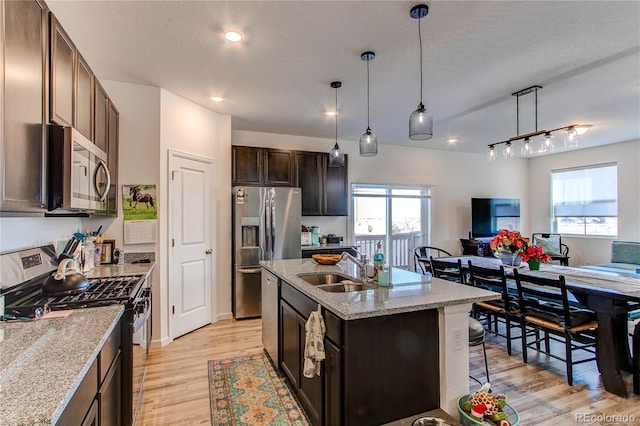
{"x":586,"y":55}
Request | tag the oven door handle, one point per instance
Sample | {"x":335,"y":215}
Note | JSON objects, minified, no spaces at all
{"x":139,"y":321}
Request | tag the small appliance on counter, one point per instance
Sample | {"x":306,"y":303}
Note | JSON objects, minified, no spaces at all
{"x":315,"y":235}
{"x":334,"y":239}
{"x":305,"y":236}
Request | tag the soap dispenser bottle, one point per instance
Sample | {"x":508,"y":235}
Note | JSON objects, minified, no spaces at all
{"x":378,"y":260}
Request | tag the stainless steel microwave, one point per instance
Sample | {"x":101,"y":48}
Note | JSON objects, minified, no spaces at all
{"x":78,"y":176}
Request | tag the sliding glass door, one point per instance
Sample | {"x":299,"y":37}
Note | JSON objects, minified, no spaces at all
{"x":397,"y":217}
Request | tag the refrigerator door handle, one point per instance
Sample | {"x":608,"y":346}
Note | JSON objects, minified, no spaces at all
{"x":249,"y":270}
{"x":272,"y":226}
{"x":262,"y":237}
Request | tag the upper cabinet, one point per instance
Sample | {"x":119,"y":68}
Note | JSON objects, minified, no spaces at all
{"x":44,"y":79}
{"x":325,"y":190}
{"x":63,"y":59}
{"x":101,"y":107}
{"x":23,"y":105}
{"x":84,"y":98}
{"x":261,"y":166}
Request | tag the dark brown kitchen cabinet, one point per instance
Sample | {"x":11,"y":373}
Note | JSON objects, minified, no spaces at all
{"x":401,"y":349}
{"x":113,"y":143}
{"x":325,"y":190}
{"x":83,"y":117}
{"x":23,"y":105}
{"x":63,"y":59}
{"x":246,"y":165}
{"x":101,"y":113}
{"x":309,"y":390}
{"x":336,"y":189}
{"x":262,"y":166}
{"x":309,"y":177}
{"x":98,"y":399}
{"x":278,"y":167}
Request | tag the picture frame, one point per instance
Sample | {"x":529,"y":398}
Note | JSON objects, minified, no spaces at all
{"x":106,"y":257}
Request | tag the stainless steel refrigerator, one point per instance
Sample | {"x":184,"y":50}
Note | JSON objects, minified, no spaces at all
{"x":266,"y":226}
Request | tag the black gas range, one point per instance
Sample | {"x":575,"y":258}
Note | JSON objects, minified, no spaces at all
{"x":22,"y":275}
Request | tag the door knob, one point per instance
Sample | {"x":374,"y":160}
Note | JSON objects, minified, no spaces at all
{"x":209,"y":251}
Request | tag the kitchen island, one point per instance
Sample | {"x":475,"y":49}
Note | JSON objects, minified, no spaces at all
{"x":391,"y":352}
{"x":43,"y":363}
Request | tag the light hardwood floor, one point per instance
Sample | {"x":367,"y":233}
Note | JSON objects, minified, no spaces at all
{"x":176,"y":388}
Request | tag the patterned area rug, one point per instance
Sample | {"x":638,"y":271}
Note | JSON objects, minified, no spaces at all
{"x":247,"y":391}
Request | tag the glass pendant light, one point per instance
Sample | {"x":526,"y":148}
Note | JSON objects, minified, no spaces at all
{"x":508,"y":150}
{"x":336,"y":155}
{"x":571,"y":138}
{"x":368,"y":140}
{"x":491,"y":154}
{"x":526,"y":147}
{"x":548,"y":141}
{"x":420,"y":121}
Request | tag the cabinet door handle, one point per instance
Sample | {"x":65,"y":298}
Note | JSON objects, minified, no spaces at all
{"x":208,"y":251}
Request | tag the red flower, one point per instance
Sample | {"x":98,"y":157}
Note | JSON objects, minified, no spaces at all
{"x":535,"y":253}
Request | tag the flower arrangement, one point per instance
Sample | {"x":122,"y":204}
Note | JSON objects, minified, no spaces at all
{"x":535,"y":253}
{"x":534,"y":256}
{"x":511,"y":241}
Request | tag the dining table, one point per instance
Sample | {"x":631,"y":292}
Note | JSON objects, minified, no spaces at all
{"x":611,"y":296}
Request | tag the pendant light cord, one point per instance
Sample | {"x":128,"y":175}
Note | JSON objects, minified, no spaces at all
{"x":420,"y":38}
{"x":336,"y":116}
{"x":368,"y":127}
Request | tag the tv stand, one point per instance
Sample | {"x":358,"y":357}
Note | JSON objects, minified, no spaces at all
{"x":476,"y":246}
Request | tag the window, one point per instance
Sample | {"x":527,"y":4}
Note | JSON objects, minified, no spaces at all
{"x":585,"y":200}
{"x":395,"y":216}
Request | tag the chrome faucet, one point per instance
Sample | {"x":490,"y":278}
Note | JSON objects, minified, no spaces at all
{"x":361,"y":264}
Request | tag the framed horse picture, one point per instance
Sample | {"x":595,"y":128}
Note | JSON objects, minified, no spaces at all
{"x":139,"y":202}
{"x":106,"y":256}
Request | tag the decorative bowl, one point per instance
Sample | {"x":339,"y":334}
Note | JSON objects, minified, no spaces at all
{"x":326,"y":259}
{"x":467,"y":420}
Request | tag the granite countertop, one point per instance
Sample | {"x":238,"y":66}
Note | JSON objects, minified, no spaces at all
{"x":409,"y":291}
{"x":120,"y":270}
{"x":43,"y":362}
{"x":328,"y":246}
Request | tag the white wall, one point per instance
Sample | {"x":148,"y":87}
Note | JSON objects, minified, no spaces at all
{"x":589,"y":250}
{"x":192,"y":129}
{"x":456,"y":177}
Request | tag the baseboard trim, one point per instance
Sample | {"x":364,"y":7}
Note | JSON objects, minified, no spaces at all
{"x":223,"y":316}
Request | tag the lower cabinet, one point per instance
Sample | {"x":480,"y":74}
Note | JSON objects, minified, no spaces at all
{"x":376,"y":370}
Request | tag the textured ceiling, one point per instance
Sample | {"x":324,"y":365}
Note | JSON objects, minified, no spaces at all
{"x":586,"y":55}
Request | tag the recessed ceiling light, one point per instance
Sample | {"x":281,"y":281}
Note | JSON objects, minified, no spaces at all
{"x":330,"y":113}
{"x":233,"y":36}
{"x":217,"y":99}
{"x":452,"y":140}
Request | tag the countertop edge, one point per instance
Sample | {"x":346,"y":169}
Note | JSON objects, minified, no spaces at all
{"x":324,"y":299}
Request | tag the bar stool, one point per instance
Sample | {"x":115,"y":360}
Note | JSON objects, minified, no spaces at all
{"x":476,"y":338}
{"x":636,"y":359}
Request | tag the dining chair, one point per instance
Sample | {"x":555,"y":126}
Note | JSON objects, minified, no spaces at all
{"x":447,"y":270}
{"x":422,"y":254}
{"x":552,"y":245}
{"x":545,"y":308}
{"x":635,"y":344}
{"x":503,"y":311}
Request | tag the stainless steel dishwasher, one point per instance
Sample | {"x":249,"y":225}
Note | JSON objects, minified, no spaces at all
{"x":270,"y":314}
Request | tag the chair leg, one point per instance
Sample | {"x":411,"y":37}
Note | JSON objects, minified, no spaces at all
{"x":507,"y":323}
{"x":523,"y":328}
{"x":486,"y":365}
{"x":546,"y":341}
{"x":568,"y":358}
{"x":636,"y":359}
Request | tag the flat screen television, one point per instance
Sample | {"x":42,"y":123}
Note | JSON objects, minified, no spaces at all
{"x":490,"y":215}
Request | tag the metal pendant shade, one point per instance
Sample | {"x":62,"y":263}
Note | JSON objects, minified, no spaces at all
{"x":368,"y":140}
{"x":420,"y":121}
{"x":336,"y":155}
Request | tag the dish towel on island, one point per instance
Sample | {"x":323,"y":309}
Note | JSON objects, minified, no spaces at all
{"x":314,"y":344}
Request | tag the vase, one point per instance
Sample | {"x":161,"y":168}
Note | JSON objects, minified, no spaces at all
{"x":508,"y":258}
{"x":534,"y":265}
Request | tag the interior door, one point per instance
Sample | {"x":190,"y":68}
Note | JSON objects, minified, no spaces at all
{"x":190,"y":242}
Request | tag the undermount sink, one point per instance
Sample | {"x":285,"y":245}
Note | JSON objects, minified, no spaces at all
{"x":321,"y":279}
{"x":343,"y":288}
{"x":334,"y":283}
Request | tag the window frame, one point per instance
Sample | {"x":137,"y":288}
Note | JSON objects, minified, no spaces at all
{"x":584,"y":219}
